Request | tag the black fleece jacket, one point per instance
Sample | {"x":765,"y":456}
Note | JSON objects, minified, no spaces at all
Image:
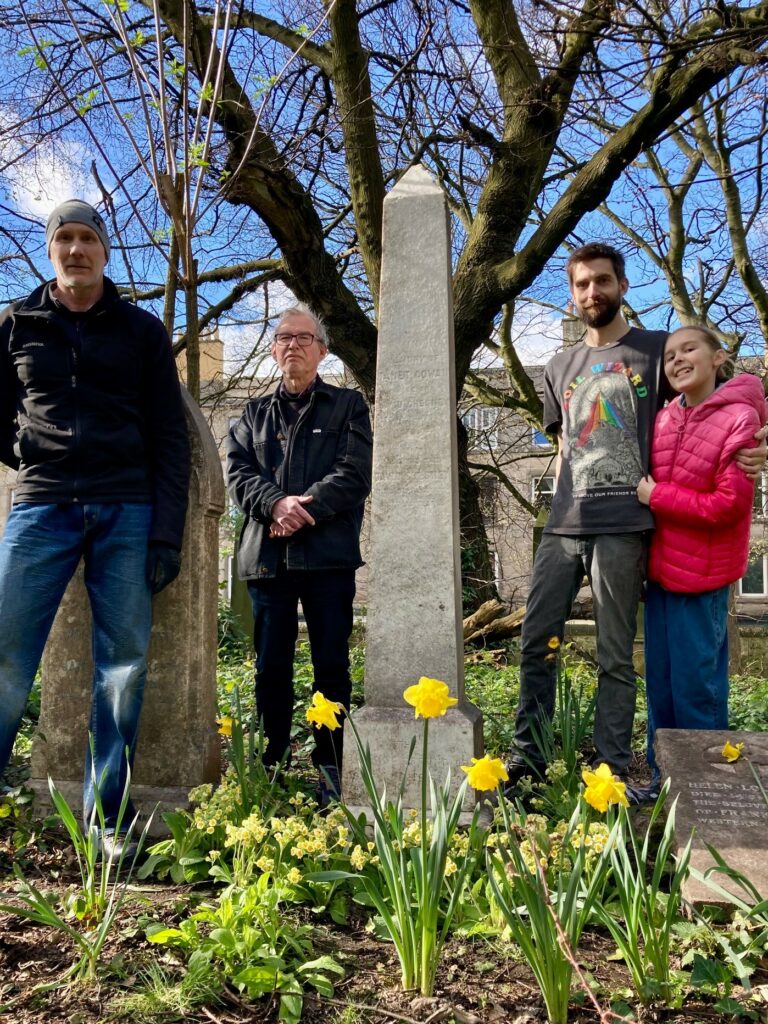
{"x":91,"y":408}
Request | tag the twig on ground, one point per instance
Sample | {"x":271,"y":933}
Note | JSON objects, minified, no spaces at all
{"x":211,"y":1016}
{"x":395,"y":1015}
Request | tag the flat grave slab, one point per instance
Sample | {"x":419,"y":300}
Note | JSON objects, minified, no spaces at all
{"x":720,"y":802}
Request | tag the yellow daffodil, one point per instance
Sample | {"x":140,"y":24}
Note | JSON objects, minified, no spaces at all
{"x":485,"y":772}
{"x":430,"y":697}
{"x":225,"y":725}
{"x":323,"y":712}
{"x":553,"y":643}
{"x":732,"y":751}
{"x":602,"y":788}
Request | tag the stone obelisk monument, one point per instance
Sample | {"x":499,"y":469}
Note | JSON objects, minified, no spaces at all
{"x":414,"y":625}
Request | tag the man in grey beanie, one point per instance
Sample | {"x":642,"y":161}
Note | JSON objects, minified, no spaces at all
{"x":91,"y":417}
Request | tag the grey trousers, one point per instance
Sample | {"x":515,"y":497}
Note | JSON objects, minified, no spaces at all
{"x":614,"y":564}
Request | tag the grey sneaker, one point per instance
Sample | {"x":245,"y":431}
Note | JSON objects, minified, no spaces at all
{"x":117,"y":846}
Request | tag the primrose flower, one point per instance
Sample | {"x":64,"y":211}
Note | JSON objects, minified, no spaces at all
{"x":732,"y":751}
{"x":225,"y":725}
{"x":603,"y":789}
{"x":485,"y":772}
{"x":430,"y":698}
{"x":553,"y":643}
{"x":323,"y":712}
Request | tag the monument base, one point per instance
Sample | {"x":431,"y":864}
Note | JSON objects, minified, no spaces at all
{"x":454,"y":740}
{"x":146,"y":799}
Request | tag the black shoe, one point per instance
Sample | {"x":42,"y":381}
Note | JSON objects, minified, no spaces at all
{"x":638,"y":796}
{"x":519,"y":770}
{"x":116,"y":846}
{"x":329,"y":784}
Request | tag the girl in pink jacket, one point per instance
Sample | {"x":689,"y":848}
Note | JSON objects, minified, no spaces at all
{"x":702,"y":506}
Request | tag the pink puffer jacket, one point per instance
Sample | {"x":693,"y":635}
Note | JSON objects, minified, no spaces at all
{"x":702,"y":503}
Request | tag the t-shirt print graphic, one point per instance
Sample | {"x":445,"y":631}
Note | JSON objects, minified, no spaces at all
{"x":602,"y":435}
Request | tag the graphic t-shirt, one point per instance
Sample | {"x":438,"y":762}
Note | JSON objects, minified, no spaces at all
{"x":604,"y":400}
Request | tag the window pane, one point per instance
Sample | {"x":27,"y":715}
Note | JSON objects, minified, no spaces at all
{"x":542,"y":487}
{"x":540,"y":439}
{"x":481,"y":426}
{"x":758,"y":505}
{"x":752,"y":582}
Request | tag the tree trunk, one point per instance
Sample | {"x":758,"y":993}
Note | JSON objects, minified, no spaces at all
{"x":477,"y":574}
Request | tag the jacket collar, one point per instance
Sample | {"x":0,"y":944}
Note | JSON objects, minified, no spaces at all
{"x":41,"y":302}
{"x":319,"y":387}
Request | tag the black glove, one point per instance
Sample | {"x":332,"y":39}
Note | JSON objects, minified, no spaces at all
{"x":163,"y":565}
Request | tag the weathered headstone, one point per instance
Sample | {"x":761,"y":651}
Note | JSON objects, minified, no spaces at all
{"x":178,"y":747}
{"x":720,"y":803}
{"x":414,"y":620}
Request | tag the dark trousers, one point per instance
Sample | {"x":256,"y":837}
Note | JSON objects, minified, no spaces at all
{"x":614,"y":565}
{"x":686,"y":661}
{"x":326,"y":597}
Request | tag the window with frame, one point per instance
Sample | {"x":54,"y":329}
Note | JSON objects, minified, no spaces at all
{"x":481,"y":423}
{"x":754,"y":583}
{"x":542,"y":488}
{"x":539,"y":439}
{"x":759,"y":502}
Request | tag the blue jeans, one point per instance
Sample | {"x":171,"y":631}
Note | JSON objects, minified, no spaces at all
{"x":326,"y":597}
{"x":686,"y":661}
{"x":614,"y":564}
{"x":40,"y":550}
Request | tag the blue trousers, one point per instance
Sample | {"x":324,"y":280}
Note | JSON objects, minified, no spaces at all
{"x":686,"y":661}
{"x":40,"y":550}
{"x":326,"y":597}
{"x":614,"y":564}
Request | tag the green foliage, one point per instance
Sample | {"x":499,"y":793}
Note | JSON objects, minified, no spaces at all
{"x":234,"y":645}
{"x":262,"y":85}
{"x":562,"y":743}
{"x":87,"y":914}
{"x":547,"y":902}
{"x":747,"y":701}
{"x":38,"y":52}
{"x":494,"y":685}
{"x":157,"y":996}
{"x":252,"y":944}
{"x":85,"y":100}
{"x":647,"y":901}
{"x":247,"y":784}
{"x":410,"y":885}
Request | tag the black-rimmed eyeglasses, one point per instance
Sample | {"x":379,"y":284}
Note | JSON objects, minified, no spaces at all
{"x":285,"y":338}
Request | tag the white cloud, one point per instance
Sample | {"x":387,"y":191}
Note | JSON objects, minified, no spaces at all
{"x":51,"y":172}
{"x":537,"y":334}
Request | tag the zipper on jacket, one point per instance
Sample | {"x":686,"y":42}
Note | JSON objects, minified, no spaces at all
{"x":285,"y":468}
{"x":679,"y":438}
{"x":303,"y":413}
{"x":76,"y":417}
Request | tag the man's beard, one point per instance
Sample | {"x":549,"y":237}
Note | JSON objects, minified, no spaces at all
{"x":604,"y":315}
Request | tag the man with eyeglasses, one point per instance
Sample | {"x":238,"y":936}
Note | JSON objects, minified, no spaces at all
{"x":299,"y":467}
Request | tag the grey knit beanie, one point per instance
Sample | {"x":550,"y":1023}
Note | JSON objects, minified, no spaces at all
{"x":75,"y":211}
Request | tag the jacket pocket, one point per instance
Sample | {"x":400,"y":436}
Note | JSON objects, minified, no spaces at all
{"x":42,"y":442}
